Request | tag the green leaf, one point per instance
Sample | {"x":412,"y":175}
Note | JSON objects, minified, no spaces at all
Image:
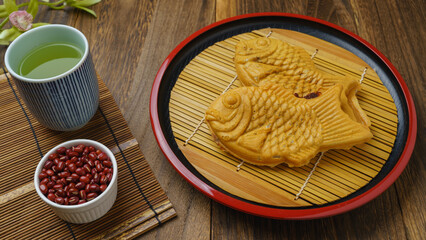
{"x":33,"y":8}
{"x":39,"y":24}
{"x":8,"y":35}
{"x":86,"y":9}
{"x":86,"y":3}
{"x":3,"y":12}
{"x":10,"y":6}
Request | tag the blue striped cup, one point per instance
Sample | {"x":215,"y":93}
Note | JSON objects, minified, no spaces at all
{"x":65,"y":102}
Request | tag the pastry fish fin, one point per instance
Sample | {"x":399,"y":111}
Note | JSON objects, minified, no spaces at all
{"x":251,"y":73}
{"x":302,"y":157}
{"x":338,"y":130}
{"x":255,"y":139}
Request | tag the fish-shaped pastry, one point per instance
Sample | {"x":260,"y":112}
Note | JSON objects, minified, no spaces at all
{"x":268,"y":125}
{"x":269,"y":60}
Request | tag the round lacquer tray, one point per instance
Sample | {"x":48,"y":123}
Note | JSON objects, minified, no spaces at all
{"x":201,"y":68}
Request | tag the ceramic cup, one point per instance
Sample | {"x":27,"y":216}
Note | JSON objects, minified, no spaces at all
{"x":89,"y":211}
{"x":64,"y":102}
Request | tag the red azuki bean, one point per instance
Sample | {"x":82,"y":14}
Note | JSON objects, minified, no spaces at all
{"x":69,"y":179}
{"x":96,"y":178}
{"x":43,"y":188}
{"x":92,"y":149}
{"x":93,"y":171}
{"x":60,"y":193}
{"x":72,"y":167}
{"x":107,"y":163}
{"x":75,"y":177}
{"x":60,"y":165}
{"x":55,"y":169}
{"x":105,"y":171}
{"x":53,"y":156}
{"x":62,"y":181}
{"x":51,"y":197}
{"x":73,"y":191}
{"x":59,"y":200}
{"x":109,"y":177}
{"x":102,"y":156}
{"x":84,"y":179}
{"x":98,"y":152}
{"x":64,"y":174}
{"x":57,"y":186}
{"x":78,"y":149}
{"x":72,"y":154}
{"x":80,"y":171}
{"x":99,"y":167}
{"x":103,"y":187}
{"x":91,"y":163}
{"x":51,"y":190}
{"x":48,"y":164}
{"x":66,"y":201}
{"x":87,"y":188}
{"x":90,"y":176}
{"x":44,"y":181}
{"x":94,"y":187}
{"x":54,"y":178}
{"x":64,"y":158}
{"x":80,"y":185}
{"x":87,"y":168}
{"x":56,"y":161}
{"x":50,"y":184}
{"x":42,"y":175}
{"x":50,"y":172}
{"x":91,"y":196}
{"x":92,"y":156}
{"x":81,"y":201}
{"x":103,"y":179}
{"x":73,"y":200}
{"x":79,"y":163}
{"x":86,"y":151}
{"x":61,"y":150}
{"x":82,"y":194}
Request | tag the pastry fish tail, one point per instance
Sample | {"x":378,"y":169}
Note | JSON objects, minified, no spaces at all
{"x":349,"y":101}
{"x":338,"y":129}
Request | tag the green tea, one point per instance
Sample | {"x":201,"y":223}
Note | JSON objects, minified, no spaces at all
{"x":50,"y":60}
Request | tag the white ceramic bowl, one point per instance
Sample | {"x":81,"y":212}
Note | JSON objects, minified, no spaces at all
{"x":89,"y":211}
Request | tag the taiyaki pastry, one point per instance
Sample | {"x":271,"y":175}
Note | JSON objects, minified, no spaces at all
{"x":268,"y":125}
{"x":264,"y":59}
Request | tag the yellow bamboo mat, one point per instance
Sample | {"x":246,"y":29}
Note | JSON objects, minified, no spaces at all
{"x":141,"y":203}
{"x":338,"y":174}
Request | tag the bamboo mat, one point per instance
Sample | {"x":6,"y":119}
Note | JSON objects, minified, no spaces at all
{"x":141,"y":203}
{"x":338,"y":174}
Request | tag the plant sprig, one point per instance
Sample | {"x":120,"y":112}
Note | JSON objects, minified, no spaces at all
{"x":22,"y":20}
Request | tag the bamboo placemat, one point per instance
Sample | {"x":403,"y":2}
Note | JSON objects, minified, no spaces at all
{"x":141,"y":203}
{"x":338,"y":174}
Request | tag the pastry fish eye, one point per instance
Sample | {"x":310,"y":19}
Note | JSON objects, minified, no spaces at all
{"x":231,"y":100}
{"x":262,"y":42}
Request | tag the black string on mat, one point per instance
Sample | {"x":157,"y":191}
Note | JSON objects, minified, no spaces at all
{"x":129,"y":167}
{"x":34,"y":134}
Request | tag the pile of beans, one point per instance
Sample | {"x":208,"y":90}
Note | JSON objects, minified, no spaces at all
{"x":75,"y":175}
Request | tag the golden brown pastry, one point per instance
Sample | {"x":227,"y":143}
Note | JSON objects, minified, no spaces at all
{"x":268,"y":125}
{"x":266,"y":60}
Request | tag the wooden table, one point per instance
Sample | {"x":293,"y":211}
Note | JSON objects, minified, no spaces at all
{"x":130,"y":39}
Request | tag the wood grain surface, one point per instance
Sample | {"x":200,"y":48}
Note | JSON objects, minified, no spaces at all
{"x":131,"y":38}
